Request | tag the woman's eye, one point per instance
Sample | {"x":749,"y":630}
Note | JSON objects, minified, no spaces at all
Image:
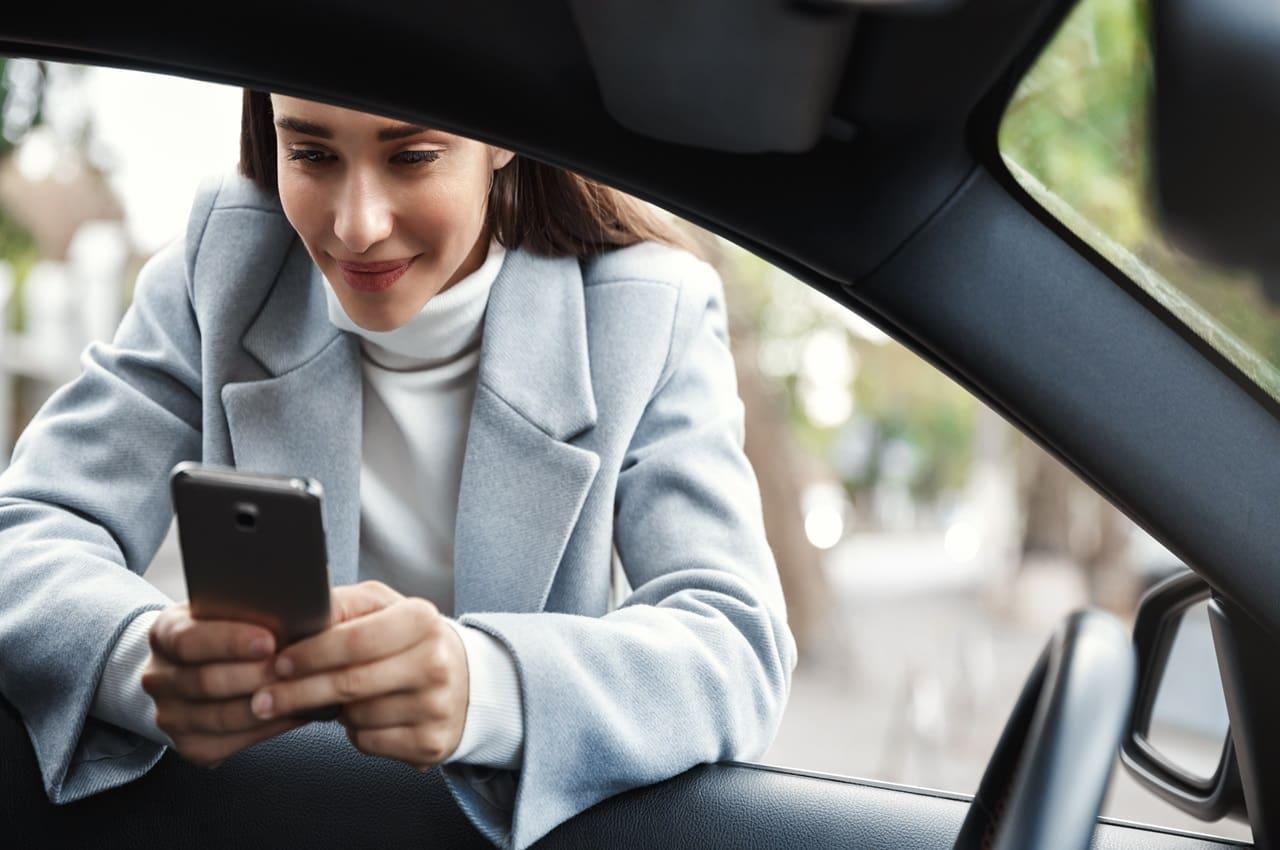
{"x":418,"y":157}
{"x":308,"y":157}
{"x":311,"y":157}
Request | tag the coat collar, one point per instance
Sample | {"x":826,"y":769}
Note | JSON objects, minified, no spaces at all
{"x":523,"y":481}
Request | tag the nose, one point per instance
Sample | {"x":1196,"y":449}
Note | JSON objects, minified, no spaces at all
{"x":364,"y":216}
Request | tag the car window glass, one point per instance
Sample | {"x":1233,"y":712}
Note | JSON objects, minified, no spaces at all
{"x":1075,"y":134}
{"x":926,"y":548}
{"x":1189,"y":720}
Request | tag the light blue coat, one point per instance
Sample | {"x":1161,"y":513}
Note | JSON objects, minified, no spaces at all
{"x":606,"y":414}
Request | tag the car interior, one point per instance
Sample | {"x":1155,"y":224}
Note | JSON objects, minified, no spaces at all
{"x":855,"y":145}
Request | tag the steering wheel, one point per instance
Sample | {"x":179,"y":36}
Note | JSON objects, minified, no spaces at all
{"x":1044,"y":784}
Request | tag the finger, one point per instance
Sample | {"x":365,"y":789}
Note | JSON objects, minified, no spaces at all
{"x":157,"y":677}
{"x":376,"y":635}
{"x":387,"y":675}
{"x":162,"y":623}
{"x":215,"y":717}
{"x":221,"y":680}
{"x":190,"y":641}
{"x":404,"y":708}
{"x":419,"y":746}
{"x":212,"y":750}
{"x":350,"y":601}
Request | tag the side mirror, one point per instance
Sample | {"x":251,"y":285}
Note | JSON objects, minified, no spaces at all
{"x":1179,"y":739}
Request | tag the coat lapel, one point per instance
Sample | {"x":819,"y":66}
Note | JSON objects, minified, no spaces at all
{"x":523,"y":482}
{"x":305,"y":417}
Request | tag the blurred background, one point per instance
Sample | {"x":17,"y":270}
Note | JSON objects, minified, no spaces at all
{"x":927,"y":548}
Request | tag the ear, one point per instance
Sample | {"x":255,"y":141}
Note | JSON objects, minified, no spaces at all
{"x":499,"y":157}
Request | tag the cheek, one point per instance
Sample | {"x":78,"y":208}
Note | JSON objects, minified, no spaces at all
{"x":432,"y":225}
{"x":302,"y":206}
{"x":444,"y":216}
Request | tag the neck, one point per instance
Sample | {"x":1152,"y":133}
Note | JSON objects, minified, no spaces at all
{"x":474,"y":259}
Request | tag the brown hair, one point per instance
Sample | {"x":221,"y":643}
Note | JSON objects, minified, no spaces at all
{"x":533,"y":206}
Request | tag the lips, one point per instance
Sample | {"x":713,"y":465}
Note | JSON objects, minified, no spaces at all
{"x":367,"y":268}
{"x":374,"y":277}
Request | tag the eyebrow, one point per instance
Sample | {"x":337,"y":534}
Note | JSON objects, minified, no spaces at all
{"x":385,"y":134}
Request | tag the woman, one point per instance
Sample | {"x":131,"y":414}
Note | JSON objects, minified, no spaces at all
{"x":501,"y":374}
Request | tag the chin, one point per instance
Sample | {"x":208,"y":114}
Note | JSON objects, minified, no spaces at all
{"x":377,"y":320}
{"x":381,"y":326}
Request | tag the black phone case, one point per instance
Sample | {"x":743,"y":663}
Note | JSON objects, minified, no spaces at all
{"x":253,"y":549}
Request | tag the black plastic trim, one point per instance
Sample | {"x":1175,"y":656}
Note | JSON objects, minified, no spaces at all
{"x":1246,"y":657}
{"x":1052,"y":765}
{"x":983,"y":132}
{"x":1159,"y":614}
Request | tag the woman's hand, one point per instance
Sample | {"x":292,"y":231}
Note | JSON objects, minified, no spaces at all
{"x":398,"y":669}
{"x":200,"y":675}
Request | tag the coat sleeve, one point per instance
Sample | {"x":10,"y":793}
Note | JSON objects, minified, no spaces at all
{"x":695,"y":665}
{"x":84,"y":505}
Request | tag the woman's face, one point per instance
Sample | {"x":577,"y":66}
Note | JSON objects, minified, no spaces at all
{"x":391,"y":213}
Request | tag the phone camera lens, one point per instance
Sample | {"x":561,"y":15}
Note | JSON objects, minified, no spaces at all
{"x":246,"y":516}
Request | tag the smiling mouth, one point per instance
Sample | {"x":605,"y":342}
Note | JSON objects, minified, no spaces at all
{"x":374,"y":277}
{"x":371,"y":268}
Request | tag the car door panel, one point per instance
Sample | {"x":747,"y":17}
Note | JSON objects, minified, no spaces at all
{"x":311,"y":788}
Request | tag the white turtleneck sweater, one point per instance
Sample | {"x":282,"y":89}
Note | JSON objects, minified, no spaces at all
{"x":419,"y":385}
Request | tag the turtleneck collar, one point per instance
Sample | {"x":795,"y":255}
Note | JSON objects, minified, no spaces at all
{"x":447,"y":326}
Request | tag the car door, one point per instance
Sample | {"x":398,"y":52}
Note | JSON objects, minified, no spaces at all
{"x":905,"y":212}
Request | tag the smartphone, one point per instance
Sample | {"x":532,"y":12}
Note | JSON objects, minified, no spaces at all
{"x":253,"y":549}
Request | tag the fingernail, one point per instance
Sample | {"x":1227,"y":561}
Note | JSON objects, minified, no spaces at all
{"x":284,"y":666}
{"x":260,"y":646}
{"x":261,"y":704}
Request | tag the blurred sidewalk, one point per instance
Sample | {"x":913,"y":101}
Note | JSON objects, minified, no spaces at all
{"x":920,"y":690}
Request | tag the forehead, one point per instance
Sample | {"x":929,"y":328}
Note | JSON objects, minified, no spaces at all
{"x":340,"y":120}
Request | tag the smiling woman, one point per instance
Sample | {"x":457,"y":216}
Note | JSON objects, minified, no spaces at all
{"x":505,"y":378}
{"x":392,"y":214}
{"x":347,"y":180}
